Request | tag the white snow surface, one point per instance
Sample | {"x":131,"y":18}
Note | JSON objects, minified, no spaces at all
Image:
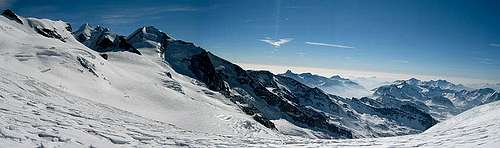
{"x":62,"y":94}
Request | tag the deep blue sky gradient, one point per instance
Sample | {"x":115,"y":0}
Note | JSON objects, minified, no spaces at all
{"x":420,"y":37}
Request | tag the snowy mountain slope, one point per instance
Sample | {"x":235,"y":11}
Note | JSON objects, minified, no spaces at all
{"x":127,"y":81}
{"x":270,"y":102}
{"x":47,"y":116}
{"x":56,"y":92}
{"x":335,"y":85}
{"x":478,"y":127}
{"x":34,"y":113}
{"x":440,"y":98}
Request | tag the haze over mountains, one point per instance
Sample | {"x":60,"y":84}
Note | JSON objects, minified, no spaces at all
{"x":333,"y":85}
{"x":93,"y":87}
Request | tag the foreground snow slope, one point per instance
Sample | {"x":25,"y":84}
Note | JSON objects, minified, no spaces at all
{"x":141,"y":85}
{"x":477,"y":127}
{"x":34,"y":113}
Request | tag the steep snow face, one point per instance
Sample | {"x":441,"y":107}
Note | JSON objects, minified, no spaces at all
{"x":149,"y":37}
{"x":335,"y":85}
{"x":139,"y":84}
{"x":440,"y":98}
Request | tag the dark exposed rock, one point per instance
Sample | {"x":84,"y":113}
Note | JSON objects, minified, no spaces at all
{"x":425,"y":119}
{"x":12,"y":16}
{"x":105,"y":56}
{"x":104,"y":43}
{"x":87,"y":65}
{"x":101,"y":39}
{"x":49,"y":33}
{"x":264,"y":121}
{"x":123,"y":44}
{"x":68,"y":27}
{"x":202,"y":68}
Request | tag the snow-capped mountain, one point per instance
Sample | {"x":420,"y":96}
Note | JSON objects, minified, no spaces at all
{"x":102,"y":39}
{"x":440,"y":98}
{"x":442,"y":84}
{"x":55,"y":91}
{"x":59,"y":71}
{"x":258,"y":94}
{"x":177,"y":82}
{"x":335,"y":85}
{"x":274,"y":101}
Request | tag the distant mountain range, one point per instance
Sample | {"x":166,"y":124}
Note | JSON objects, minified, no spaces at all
{"x":334,"y":85}
{"x":150,"y":79}
{"x":440,"y":98}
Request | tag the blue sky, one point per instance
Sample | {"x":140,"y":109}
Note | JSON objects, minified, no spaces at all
{"x":445,"y":38}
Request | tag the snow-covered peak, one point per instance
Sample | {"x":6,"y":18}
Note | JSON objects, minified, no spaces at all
{"x":149,"y":37}
{"x":101,"y":39}
{"x":84,"y":32}
{"x":442,"y":84}
{"x":85,"y":28}
{"x":338,"y":77}
{"x":411,"y":81}
{"x":47,"y":28}
{"x":100,"y":28}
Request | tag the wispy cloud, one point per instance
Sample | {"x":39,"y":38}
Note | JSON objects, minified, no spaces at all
{"x":401,"y":61}
{"x":494,"y":45}
{"x":486,"y":61}
{"x":330,"y":45}
{"x":276,"y":43}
